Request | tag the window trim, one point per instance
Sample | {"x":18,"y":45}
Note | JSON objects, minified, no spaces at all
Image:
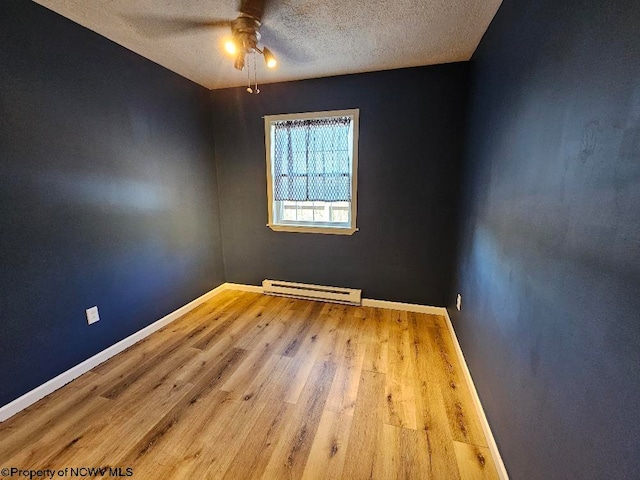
{"x":322,"y":229}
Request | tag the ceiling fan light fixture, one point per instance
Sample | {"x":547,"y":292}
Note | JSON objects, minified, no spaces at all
{"x":230,"y":47}
{"x":239,"y":62}
{"x":269,"y":58}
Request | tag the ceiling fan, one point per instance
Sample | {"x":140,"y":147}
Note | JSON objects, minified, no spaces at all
{"x":245,"y":31}
{"x":244,"y":40}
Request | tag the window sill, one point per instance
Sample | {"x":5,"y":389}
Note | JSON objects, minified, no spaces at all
{"x":321,"y":230}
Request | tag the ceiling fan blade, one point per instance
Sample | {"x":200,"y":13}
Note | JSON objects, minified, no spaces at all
{"x":158,"y":26}
{"x":284,"y":48}
{"x":253,"y":8}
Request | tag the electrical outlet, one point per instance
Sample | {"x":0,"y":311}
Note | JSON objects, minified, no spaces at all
{"x":92,"y":315}
{"x":459,"y":302}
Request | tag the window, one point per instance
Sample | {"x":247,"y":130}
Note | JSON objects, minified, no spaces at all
{"x":312,"y":161}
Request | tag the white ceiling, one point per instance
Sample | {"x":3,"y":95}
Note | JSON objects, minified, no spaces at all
{"x":310,"y":38}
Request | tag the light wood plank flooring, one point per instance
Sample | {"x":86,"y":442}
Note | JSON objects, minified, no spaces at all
{"x":250,"y":386}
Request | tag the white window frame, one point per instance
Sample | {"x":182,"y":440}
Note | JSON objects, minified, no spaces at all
{"x":312,"y":227}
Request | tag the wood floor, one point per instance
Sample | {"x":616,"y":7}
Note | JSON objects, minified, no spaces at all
{"x":250,"y":386}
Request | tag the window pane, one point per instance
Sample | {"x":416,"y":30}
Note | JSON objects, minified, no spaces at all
{"x":321,"y":212}
{"x":305,"y":213}
{"x":289,"y":213}
{"x":312,"y":159}
{"x":339,"y":214}
{"x":314,"y":212}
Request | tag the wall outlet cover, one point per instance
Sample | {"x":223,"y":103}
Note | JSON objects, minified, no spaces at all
{"x":92,"y":315}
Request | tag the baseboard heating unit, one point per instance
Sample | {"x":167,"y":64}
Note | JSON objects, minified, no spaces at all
{"x":349,"y":296}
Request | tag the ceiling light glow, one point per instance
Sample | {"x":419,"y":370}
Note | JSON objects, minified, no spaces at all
{"x":230,"y":47}
{"x":269,"y":58}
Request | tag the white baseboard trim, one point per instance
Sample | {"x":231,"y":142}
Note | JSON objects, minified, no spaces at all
{"x":406,"y":307}
{"x":493,"y":447}
{"x":29,"y":398}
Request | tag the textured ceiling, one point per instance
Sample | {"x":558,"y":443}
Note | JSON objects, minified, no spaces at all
{"x":310,"y":38}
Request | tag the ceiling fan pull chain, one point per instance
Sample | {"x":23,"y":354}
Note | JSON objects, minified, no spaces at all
{"x":255,"y":73}
{"x":249,"y":89}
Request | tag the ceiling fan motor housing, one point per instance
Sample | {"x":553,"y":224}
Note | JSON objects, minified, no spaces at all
{"x":246,"y":33}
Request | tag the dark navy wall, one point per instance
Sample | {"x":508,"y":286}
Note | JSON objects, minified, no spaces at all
{"x":549,"y":268}
{"x":107,"y":194}
{"x":411,"y":124}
